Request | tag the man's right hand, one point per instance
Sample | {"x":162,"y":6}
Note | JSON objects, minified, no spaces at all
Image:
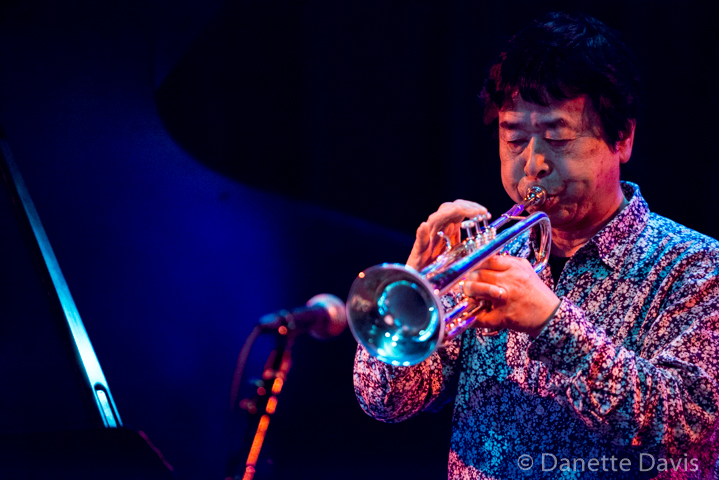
{"x":427,"y":244}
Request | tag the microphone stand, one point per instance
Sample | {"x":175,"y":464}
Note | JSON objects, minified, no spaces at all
{"x":264,"y":404}
{"x":323,"y":317}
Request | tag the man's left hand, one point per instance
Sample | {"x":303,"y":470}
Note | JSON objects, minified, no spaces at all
{"x":520,"y":300}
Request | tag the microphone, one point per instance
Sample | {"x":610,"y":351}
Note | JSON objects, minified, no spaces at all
{"x":323,"y":317}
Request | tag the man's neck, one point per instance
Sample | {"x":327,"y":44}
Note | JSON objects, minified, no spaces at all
{"x":565,"y":243}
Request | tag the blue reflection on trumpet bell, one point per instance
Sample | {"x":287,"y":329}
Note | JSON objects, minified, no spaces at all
{"x":402,"y":305}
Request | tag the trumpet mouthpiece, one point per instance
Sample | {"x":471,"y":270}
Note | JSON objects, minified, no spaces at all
{"x":535,"y":196}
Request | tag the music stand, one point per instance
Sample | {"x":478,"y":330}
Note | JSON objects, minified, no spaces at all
{"x":57,"y":415}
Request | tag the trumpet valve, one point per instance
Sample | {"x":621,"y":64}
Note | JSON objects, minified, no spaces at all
{"x":467,"y":226}
{"x":476,"y":227}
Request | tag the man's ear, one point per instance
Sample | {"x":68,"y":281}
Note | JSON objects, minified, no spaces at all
{"x":624,"y":146}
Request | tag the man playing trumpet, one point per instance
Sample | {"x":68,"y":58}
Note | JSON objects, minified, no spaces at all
{"x":607,"y":362}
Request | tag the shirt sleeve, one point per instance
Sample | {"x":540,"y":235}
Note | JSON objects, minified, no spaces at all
{"x":662,"y":392}
{"x":392,"y":394}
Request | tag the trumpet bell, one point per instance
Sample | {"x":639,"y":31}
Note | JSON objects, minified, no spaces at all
{"x":396,"y":316}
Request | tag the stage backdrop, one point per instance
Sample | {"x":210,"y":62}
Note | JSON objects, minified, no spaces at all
{"x":199,"y":163}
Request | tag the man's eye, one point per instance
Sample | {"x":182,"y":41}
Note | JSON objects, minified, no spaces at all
{"x":517,"y":144}
{"x":557,"y":143}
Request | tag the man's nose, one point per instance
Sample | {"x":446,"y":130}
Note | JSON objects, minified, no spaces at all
{"x":536,"y":164}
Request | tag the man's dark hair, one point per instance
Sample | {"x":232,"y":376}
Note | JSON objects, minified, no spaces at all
{"x":562,"y":56}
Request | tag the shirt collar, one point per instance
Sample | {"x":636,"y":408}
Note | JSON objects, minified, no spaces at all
{"x":623,"y":230}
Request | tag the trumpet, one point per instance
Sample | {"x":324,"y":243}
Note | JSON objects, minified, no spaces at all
{"x":401,"y":315}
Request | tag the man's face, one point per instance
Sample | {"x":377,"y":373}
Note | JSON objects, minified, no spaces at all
{"x":561,"y":148}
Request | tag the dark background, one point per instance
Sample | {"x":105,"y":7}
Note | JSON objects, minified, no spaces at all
{"x":200,"y":163}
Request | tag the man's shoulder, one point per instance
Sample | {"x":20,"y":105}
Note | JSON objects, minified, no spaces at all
{"x":643,"y":227}
{"x":664,"y":231}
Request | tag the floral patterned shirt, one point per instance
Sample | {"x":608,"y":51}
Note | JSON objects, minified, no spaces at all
{"x":621,"y":383}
